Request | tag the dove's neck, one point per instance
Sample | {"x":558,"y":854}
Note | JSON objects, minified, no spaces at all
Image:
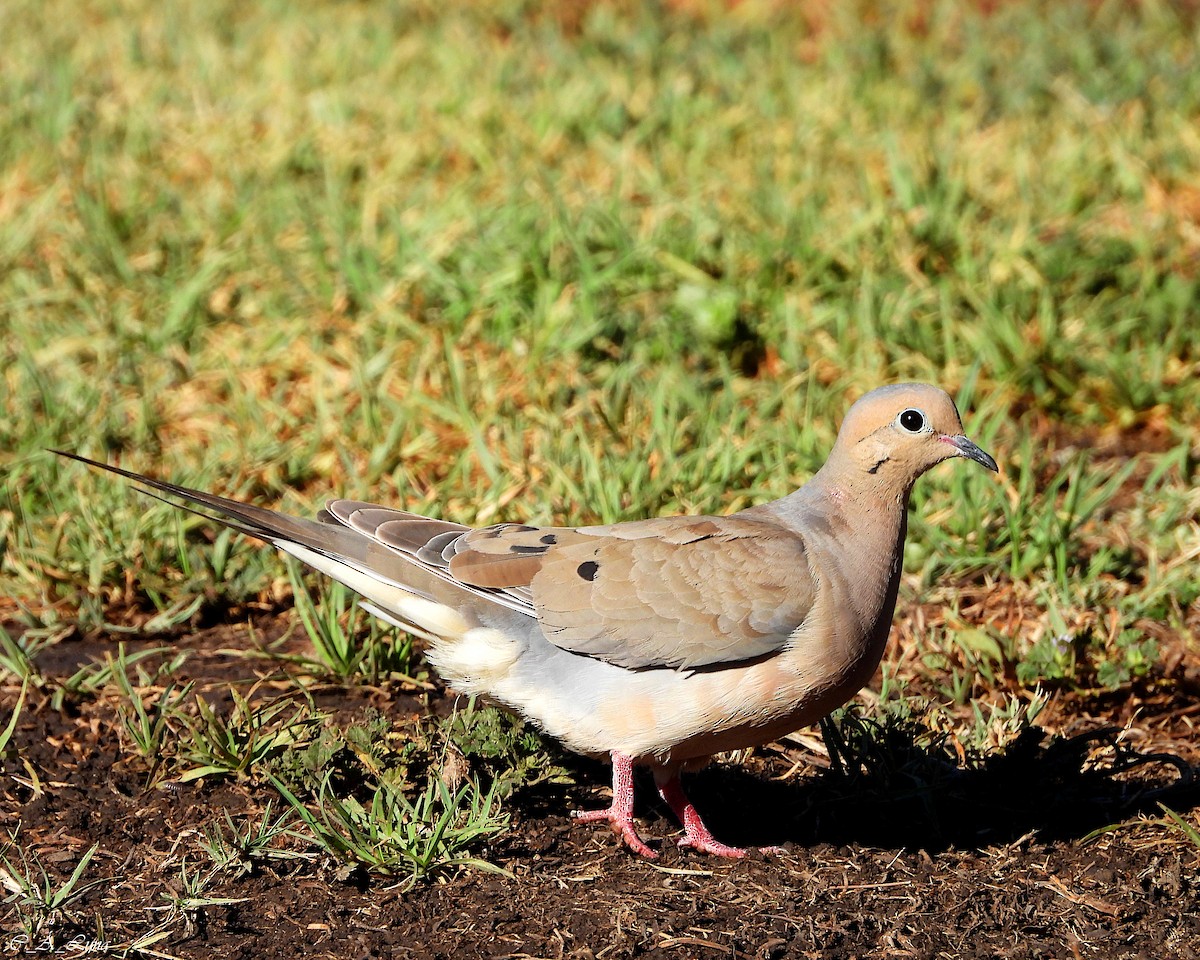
{"x":863,"y":523}
{"x":873,"y":508}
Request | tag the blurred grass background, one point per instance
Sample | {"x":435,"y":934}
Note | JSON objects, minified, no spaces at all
{"x":594,"y":261}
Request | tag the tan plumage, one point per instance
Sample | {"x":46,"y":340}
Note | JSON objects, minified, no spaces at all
{"x":658,"y":642}
{"x":692,"y":594}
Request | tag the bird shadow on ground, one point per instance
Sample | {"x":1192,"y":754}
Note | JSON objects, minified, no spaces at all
{"x":895,"y":790}
{"x":902,"y":793}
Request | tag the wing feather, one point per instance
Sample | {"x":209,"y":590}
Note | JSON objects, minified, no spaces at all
{"x":682,"y":592}
{"x":679,"y":592}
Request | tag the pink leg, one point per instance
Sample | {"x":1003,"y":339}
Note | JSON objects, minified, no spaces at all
{"x":695,"y":833}
{"x":620,"y":813}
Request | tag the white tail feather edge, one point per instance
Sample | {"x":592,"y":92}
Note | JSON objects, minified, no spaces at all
{"x":473,"y":658}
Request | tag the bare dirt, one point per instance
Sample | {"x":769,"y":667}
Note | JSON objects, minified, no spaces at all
{"x":928,"y":858}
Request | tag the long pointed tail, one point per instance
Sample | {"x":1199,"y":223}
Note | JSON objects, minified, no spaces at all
{"x":389,"y":581}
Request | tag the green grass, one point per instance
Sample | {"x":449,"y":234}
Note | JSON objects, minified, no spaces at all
{"x":11,"y":725}
{"x":473,"y":262}
{"x":240,"y":850}
{"x":410,"y":806}
{"x":399,"y":832}
{"x":491,"y":263}
{"x":40,"y":903}
{"x":188,"y":899}
{"x":349,"y":644}
{"x":242,"y":743}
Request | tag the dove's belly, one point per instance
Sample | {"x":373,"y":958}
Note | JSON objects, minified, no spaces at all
{"x":699,"y":715}
{"x":670,"y":717}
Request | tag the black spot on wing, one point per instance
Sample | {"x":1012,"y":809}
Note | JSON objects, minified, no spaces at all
{"x":588,"y":569}
{"x":550,"y":539}
{"x":522,"y":548}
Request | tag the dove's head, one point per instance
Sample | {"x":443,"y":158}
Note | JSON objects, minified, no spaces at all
{"x":895,"y":433}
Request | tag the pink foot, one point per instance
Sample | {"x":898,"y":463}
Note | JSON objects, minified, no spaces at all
{"x":620,"y":813}
{"x":695,"y":833}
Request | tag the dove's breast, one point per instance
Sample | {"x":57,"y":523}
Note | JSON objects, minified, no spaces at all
{"x":670,"y":716}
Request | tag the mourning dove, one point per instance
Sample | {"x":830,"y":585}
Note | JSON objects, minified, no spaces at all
{"x":656,"y":642}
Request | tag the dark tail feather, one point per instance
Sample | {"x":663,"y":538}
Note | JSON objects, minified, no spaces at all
{"x":332,"y":540}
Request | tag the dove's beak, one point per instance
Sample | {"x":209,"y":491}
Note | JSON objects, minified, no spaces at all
{"x":964,"y":447}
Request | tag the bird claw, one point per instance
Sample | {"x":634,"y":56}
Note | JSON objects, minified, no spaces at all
{"x":706,"y":843}
{"x":715,"y":847}
{"x":591,"y":816}
{"x":621,"y":825}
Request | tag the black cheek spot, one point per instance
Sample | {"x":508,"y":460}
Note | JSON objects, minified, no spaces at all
{"x":550,"y":539}
{"x":588,"y":569}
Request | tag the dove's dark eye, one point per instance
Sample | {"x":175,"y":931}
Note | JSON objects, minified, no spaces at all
{"x":912,"y":420}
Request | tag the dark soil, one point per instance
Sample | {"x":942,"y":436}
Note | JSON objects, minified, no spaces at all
{"x":921,"y":858}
